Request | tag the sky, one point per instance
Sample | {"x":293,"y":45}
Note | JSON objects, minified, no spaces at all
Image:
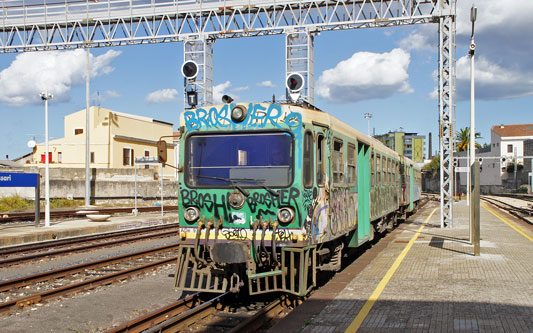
{"x":388,"y":72}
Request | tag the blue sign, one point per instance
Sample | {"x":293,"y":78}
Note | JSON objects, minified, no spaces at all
{"x":8,"y":179}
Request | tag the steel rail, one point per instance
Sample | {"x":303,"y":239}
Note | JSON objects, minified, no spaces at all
{"x":21,"y":259}
{"x":61,"y":272}
{"x":80,"y":286}
{"x":261,"y":317}
{"x":158,"y":316}
{"x":200,"y":310}
{"x":510,"y":209}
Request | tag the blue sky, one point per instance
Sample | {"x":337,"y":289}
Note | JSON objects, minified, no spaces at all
{"x":389,"y":72}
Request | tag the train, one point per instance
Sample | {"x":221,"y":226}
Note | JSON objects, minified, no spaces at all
{"x":271,"y":194}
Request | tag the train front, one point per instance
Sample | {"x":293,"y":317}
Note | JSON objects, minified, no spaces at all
{"x":241,"y":222}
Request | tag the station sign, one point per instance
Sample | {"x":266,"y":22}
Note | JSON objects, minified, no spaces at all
{"x":11,"y":179}
{"x":146,"y":160}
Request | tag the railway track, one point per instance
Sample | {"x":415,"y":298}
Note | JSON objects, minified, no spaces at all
{"x":522,"y":213}
{"x":194,"y":313}
{"x":28,"y":290}
{"x":30,"y":252}
{"x":61,"y":214}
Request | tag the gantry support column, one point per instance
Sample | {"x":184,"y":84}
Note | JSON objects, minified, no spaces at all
{"x":446,"y":106}
{"x":299,"y":54}
{"x":201,"y":52}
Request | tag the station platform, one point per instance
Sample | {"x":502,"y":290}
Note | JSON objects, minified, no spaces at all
{"x":423,"y":278}
{"x":15,"y":234}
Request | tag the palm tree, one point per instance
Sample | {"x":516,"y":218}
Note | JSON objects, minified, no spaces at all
{"x":463,"y":139}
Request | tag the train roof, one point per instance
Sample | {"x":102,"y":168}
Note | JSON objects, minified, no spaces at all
{"x":311,"y":114}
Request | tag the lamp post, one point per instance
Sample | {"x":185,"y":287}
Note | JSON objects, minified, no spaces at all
{"x":45,"y":96}
{"x":368,"y":116}
{"x":473,"y":165}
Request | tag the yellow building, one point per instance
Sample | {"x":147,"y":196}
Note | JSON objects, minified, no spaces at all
{"x":116,"y":139}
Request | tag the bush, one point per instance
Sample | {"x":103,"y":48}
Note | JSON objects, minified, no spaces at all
{"x":522,"y":188}
{"x":14,"y":203}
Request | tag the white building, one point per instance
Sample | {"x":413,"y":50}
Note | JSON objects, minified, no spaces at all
{"x":507,"y":143}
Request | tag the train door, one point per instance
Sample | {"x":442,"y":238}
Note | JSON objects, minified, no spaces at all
{"x":320,"y":201}
{"x":363,"y":189}
{"x":411,"y":189}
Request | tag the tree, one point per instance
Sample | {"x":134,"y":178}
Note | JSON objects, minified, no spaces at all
{"x":463,"y":139}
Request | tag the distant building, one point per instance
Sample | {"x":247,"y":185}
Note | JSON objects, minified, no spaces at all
{"x":116,"y":139}
{"x":507,"y":142}
{"x":410,"y":145}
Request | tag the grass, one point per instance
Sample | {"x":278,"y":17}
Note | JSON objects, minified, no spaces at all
{"x":17,"y":204}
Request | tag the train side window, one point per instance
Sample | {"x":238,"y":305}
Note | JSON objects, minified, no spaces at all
{"x":351,"y":164}
{"x":308,"y":159}
{"x":320,"y":162}
{"x":372,"y":170}
{"x":338,"y":162}
{"x":378,"y":170}
{"x":389,"y":171}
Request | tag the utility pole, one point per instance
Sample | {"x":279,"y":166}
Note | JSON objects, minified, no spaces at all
{"x":473,"y":164}
{"x":368,"y":116}
{"x":87,"y":125}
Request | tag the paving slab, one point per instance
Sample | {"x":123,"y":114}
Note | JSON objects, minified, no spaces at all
{"x":439,"y":286}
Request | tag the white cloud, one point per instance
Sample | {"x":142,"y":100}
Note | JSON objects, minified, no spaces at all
{"x":31,"y":73}
{"x":241,"y":89}
{"x":493,"y":81}
{"x":505,"y":65}
{"x":220,"y":90}
{"x":162,"y":96}
{"x":267,"y":84}
{"x":112,"y":94}
{"x":366,"y":75}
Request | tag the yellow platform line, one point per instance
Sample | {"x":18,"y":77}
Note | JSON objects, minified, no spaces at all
{"x":356,"y":323}
{"x":509,"y":223}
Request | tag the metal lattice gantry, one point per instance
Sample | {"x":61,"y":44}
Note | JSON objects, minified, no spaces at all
{"x":201,"y":52}
{"x":299,"y":58}
{"x":37,"y":25}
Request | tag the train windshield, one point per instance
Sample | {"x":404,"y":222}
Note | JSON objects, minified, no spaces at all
{"x":244,"y":159}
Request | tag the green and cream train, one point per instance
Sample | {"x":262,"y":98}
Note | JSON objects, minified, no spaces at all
{"x":270,"y":194}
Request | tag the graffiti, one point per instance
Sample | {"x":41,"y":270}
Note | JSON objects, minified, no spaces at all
{"x":211,"y":202}
{"x":258,"y":116}
{"x":283,"y":235}
{"x":235,"y":233}
{"x":343,"y":210}
{"x":259,"y":204}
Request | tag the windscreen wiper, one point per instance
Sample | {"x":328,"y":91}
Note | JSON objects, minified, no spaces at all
{"x":232,"y":181}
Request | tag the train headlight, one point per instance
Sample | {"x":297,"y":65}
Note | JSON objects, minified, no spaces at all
{"x":285,"y":215}
{"x":191,"y":214}
{"x":238,"y":113}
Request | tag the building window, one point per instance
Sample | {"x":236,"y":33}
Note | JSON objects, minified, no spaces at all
{"x":59,"y":157}
{"x":509,"y":148}
{"x":146,"y":153}
{"x":320,"y":162}
{"x":308,"y":159}
{"x":351,"y":164}
{"x":338,"y":162}
{"x":92,"y":157}
{"x":78,"y":131}
{"x":127,"y":156}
